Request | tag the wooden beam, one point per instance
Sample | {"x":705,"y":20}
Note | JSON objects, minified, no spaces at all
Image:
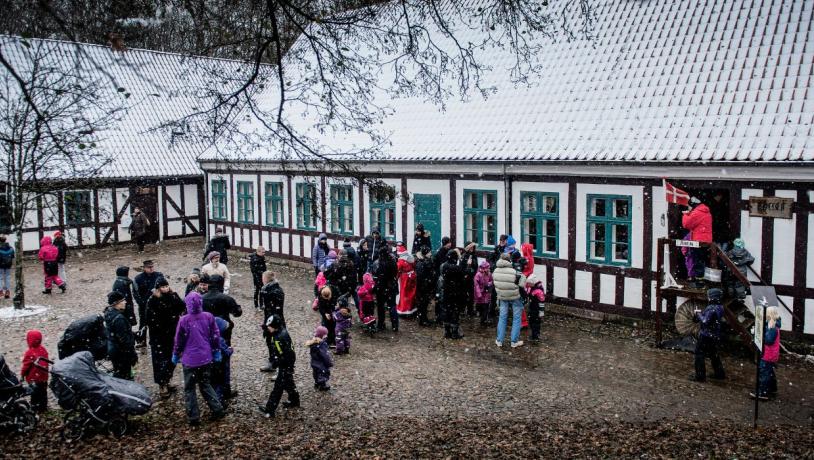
{"x":114,"y":206}
{"x":572,"y":238}
{"x":453,"y":212}
{"x":164,"y":223}
{"x":647,"y":251}
{"x":186,"y":221}
{"x":801,"y":263}
{"x":405,"y":198}
{"x":96,"y":216}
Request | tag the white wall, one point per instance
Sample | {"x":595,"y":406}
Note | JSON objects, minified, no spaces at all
{"x":752,"y":231}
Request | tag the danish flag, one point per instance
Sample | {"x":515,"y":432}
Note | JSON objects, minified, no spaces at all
{"x":675,"y":194}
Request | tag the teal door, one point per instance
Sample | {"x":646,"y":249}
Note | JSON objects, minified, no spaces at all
{"x":428,"y":212}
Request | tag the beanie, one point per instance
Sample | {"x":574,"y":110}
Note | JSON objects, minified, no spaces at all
{"x":114,"y":297}
{"x":321,"y":332}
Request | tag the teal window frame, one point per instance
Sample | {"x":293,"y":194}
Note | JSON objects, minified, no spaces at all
{"x":275,"y":204}
{"x":480,"y":213}
{"x":245,"y":202}
{"x":608,"y":222}
{"x":78,"y":209}
{"x":219,"y":201}
{"x":542,"y":216}
{"x":341,"y":209}
{"x":383,"y":212}
{"x":307,"y":201}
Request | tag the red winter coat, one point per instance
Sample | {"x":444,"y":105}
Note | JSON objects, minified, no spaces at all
{"x":407,"y":284}
{"x":48,"y":252}
{"x":528,"y":253}
{"x":699,"y":223}
{"x":30,"y":372}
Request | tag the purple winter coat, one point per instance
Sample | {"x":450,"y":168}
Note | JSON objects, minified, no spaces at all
{"x":320,"y":358}
{"x":343,"y":323}
{"x":483,"y":284}
{"x":197,"y":335}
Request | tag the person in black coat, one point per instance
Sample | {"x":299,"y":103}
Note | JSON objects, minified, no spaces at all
{"x":220,"y":243}
{"x":374,"y":244}
{"x":121,"y":343}
{"x":454,"y":292}
{"x":326,"y":304}
{"x":426,"y":279}
{"x":272,"y":298}
{"x":221,"y":305}
{"x":364,"y":259}
{"x":286,"y":358}
{"x":386,"y":288}
{"x":62,"y":257}
{"x":144,"y":283}
{"x":441,"y":256}
{"x":257,"y":263}
{"x":469,"y":262}
{"x":421,"y":239}
{"x":343,"y":276}
{"x":124,"y":285}
{"x":352,"y":254}
{"x":161,"y":316}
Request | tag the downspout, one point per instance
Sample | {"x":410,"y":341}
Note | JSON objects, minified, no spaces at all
{"x":507,"y":201}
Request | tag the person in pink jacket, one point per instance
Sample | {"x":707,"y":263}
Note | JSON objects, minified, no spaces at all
{"x":698,"y":221}
{"x":49,"y":254}
{"x":482,"y":292}
{"x":367,"y":301}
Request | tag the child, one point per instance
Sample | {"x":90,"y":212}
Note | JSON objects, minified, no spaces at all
{"x":710,"y":335}
{"x":343,"y":320}
{"x":771,"y":354}
{"x":368,"y":302}
{"x":221,"y":371}
{"x":536,"y":296}
{"x":49,"y":254}
{"x":742,"y":258}
{"x":193,"y":280}
{"x":38,"y":378}
{"x":326,"y":304}
{"x":286,"y":358}
{"x":272,"y":300}
{"x":482,"y":294}
{"x":6,"y":262}
{"x":257,"y":263}
{"x":62,"y":246}
{"x":321,"y":362}
{"x":319,"y":283}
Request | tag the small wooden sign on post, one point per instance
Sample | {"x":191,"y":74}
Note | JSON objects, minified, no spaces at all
{"x":763,"y":297}
{"x":770,"y":206}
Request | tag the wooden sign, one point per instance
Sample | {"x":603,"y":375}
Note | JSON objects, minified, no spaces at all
{"x":772,"y":206}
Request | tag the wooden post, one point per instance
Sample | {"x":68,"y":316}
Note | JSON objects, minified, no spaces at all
{"x":659,"y":277}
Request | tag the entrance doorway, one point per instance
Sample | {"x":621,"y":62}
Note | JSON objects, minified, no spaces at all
{"x":146,"y":199}
{"x":724,"y":223}
{"x":428,"y":212}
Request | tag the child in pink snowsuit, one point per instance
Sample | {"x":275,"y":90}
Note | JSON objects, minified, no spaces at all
{"x":482,"y":294}
{"x":50,"y":267}
{"x":367,"y":301}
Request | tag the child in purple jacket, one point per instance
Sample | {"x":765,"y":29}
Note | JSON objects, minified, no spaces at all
{"x":343,"y":320}
{"x":482,"y":294}
{"x":222,"y":371}
{"x":321,"y":362}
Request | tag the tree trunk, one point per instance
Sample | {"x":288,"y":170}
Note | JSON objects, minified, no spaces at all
{"x":19,"y":285}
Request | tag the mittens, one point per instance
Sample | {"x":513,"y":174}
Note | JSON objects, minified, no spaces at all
{"x":175,"y":359}
{"x":216,"y":356}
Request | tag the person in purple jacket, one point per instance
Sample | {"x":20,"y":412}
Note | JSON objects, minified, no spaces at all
{"x":197,"y":344}
{"x":321,"y":362}
{"x":344,"y":321}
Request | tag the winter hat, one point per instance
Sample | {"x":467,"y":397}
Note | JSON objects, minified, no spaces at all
{"x":321,"y":332}
{"x":322,"y":237}
{"x":57,"y":234}
{"x":114,"y":297}
{"x":445,"y":241}
{"x":453,"y":255}
{"x":196,"y":271}
{"x":695,"y":201}
{"x":425,"y":250}
{"x":147,"y":263}
{"x":484,"y":264}
{"x":715,"y":295}
{"x":216,"y":280}
{"x":532,"y":280}
{"x":346,"y":243}
{"x":505,"y":256}
{"x":212,"y":255}
{"x":205,"y":279}
{"x":331,"y":254}
{"x":510,"y":241}
{"x":739,"y":243}
{"x":343,"y":302}
{"x":275,"y":321}
{"x":161,"y":282}
{"x":122,"y":271}
{"x":419,"y":228}
{"x":401,"y":249}
{"x":375,"y":230}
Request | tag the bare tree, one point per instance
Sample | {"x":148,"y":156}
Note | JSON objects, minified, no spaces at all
{"x":52,"y":112}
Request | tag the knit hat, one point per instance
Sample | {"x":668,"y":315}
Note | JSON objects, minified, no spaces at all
{"x":212,"y":255}
{"x":375,"y":230}
{"x":321,"y":332}
{"x":196,"y":271}
{"x":323,"y":237}
{"x":739,"y":243}
{"x":695,"y":201}
{"x":161,"y":282}
{"x":419,"y":228}
{"x":114,"y":297}
{"x":715,"y":295}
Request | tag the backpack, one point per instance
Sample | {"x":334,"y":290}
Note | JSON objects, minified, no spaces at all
{"x":6,"y":258}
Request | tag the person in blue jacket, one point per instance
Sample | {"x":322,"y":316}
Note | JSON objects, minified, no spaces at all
{"x":709,"y":337}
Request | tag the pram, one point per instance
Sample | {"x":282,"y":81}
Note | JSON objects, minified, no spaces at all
{"x":15,"y":413}
{"x":94,"y":399}
{"x":85,"y":334}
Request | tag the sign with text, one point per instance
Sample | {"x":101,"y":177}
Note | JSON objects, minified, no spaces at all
{"x":770,"y":206}
{"x":763,"y":297}
{"x":687,"y":244}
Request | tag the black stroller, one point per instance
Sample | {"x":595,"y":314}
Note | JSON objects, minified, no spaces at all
{"x":15,"y":413}
{"x":94,"y":400}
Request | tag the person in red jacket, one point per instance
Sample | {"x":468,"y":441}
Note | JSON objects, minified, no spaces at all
{"x":32,"y":374}
{"x":49,"y":255}
{"x":698,"y":221}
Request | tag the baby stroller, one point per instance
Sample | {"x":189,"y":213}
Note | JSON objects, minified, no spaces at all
{"x":15,"y":413}
{"x":85,"y":334}
{"x":94,"y":400}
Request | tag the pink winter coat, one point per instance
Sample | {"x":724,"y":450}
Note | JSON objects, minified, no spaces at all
{"x":483,"y":284}
{"x":48,"y":252}
{"x":365,"y":291}
{"x":699,"y":223}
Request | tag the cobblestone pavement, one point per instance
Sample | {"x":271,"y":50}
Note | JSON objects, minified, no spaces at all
{"x":597,"y":386}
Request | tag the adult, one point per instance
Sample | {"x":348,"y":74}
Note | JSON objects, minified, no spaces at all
{"x":124,"y":285}
{"x":319,"y":253}
{"x":216,"y":268}
{"x":385,"y":287}
{"x":203,"y":284}
{"x":709,"y":337}
{"x":469,"y":263}
{"x":6,"y":262}
{"x":193,"y":280}
{"x":144,"y":283}
{"x":197,"y":341}
{"x":342,"y":275}
{"x":698,"y":221}
{"x":508,"y":283}
{"x":286,"y":358}
{"x":441,"y":255}
{"x":499,"y":249}
{"x":374,"y":244}
{"x":405,"y":268}
{"x":272,"y":299}
{"x":257,"y":265}
{"x":222,"y":305}
{"x":454,"y":294}
{"x":161,"y":316}
{"x":354,"y":256}
{"x":138,"y":228}
{"x":220,"y":243}
{"x":426,"y":278}
{"x":121,"y":343}
{"x":364,"y":259}
{"x":62,"y":246}
{"x":421,"y":239}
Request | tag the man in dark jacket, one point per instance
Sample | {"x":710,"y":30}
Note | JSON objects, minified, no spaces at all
{"x":221,"y":305}
{"x":454,"y":301}
{"x":426,"y":279}
{"x":374,"y":244}
{"x":352,"y":254}
{"x":421,"y":239}
{"x":138,"y":228}
{"x":220,"y":243}
{"x":386,"y":287}
{"x":709,"y":337}
{"x":257,"y":264}
{"x":272,"y":299}
{"x":143,"y":289}
{"x":62,"y":246}
{"x":121,"y":344}
{"x":342,"y":275}
{"x":124,"y":285}
{"x":499,"y":249}
{"x":285,"y":358}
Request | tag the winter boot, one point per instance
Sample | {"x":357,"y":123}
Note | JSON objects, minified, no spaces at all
{"x":63,"y":287}
{"x":46,"y":291}
{"x":7,"y":294}
{"x":292,"y":403}
{"x":266,"y":413}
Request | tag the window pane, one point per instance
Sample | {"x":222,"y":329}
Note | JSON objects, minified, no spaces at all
{"x":597,"y":250}
{"x":620,"y":209}
{"x":597,"y":232}
{"x":598,"y":207}
{"x":529,"y":202}
{"x":489,"y":230}
{"x":550,"y":227}
{"x":620,"y":233}
{"x":471,"y":200}
{"x":620,"y":253}
{"x":490,"y":201}
{"x":530,"y":229}
{"x":550,"y":244}
{"x":550,"y":205}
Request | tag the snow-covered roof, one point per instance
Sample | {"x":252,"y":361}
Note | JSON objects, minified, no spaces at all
{"x":160,"y":88}
{"x":659,"y":81}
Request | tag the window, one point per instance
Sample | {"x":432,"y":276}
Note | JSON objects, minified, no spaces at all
{"x":219,"y":200}
{"x":274,"y":204}
{"x":77,"y":208}
{"x":609,"y":229}
{"x":480,"y":217}
{"x":539,"y":217}
{"x":245,"y":202}
{"x":383,"y":211}
{"x":307,"y":206}
{"x":342,"y":209}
